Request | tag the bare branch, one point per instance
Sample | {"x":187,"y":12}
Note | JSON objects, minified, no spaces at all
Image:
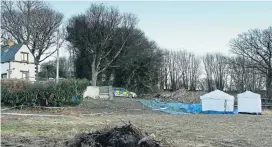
{"x":32,"y":23}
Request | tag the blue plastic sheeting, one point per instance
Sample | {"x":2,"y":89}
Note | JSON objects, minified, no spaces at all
{"x":179,"y":108}
{"x":219,"y":112}
{"x":172,"y":108}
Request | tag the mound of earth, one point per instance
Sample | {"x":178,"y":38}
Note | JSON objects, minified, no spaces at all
{"x":181,"y":95}
{"x":125,"y":136}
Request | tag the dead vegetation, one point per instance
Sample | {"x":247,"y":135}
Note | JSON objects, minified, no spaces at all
{"x":124,"y":136}
{"x":180,"y":95}
{"x":177,"y":130}
{"x":173,"y":130}
{"x":94,"y":106}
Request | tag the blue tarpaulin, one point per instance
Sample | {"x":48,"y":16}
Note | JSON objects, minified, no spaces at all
{"x":178,"y":108}
{"x":172,"y":108}
{"x":74,"y":99}
{"x":220,"y":112}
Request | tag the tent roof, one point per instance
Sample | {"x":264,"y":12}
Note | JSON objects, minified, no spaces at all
{"x":249,"y":94}
{"x":217,"y":94}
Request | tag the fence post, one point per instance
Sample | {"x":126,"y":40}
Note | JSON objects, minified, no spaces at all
{"x":110,"y":93}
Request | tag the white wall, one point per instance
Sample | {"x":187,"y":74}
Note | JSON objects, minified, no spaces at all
{"x":217,"y":105}
{"x":4,"y":67}
{"x":24,"y":49}
{"x":17,"y":67}
{"x":91,"y":91}
{"x":249,"y":105}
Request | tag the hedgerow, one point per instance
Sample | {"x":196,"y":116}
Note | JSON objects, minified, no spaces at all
{"x":19,"y":92}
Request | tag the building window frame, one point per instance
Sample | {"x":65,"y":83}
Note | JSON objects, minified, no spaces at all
{"x":4,"y":75}
{"x":24,"y":56}
{"x":25,"y":75}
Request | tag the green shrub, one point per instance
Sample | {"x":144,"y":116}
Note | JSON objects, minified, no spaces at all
{"x":18,"y":92}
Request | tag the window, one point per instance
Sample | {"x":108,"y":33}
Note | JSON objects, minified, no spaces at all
{"x":4,"y":75}
{"x":24,"y":56}
{"x":24,"y":74}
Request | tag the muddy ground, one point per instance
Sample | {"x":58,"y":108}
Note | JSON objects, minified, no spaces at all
{"x":180,"y":130}
{"x":91,"y":106}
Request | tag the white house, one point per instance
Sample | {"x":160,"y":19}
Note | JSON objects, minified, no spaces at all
{"x":17,"y":62}
{"x":218,"y":101}
{"x":249,"y":102}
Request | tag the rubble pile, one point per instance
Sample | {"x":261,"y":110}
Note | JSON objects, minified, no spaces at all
{"x":125,"y":136}
{"x":181,"y":95}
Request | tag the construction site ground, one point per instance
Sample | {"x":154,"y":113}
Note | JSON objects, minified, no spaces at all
{"x":188,"y":130}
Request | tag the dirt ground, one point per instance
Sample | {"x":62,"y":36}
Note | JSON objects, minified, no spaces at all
{"x":190,"y":130}
{"x":117,"y":105}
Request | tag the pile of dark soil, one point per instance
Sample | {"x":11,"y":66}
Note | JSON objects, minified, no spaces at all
{"x":181,"y":95}
{"x":125,"y":136}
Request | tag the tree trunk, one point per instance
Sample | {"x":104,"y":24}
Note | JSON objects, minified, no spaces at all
{"x":269,"y":84}
{"x":94,"y":78}
{"x":94,"y":73}
{"x":111,"y":79}
{"x":36,"y":71}
{"x":210,"y":85}
{"x":36,"y":60}
{"x":165,"y":78}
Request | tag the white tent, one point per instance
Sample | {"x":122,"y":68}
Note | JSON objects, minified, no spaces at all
{"x":249,"y":102}
{"x":217,"y":101}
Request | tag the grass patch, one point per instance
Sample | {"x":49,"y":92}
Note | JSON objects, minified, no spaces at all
{"x":8,"y":128}
{"x":267,"y":112}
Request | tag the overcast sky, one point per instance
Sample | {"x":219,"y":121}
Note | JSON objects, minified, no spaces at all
{"x":199,"y":27}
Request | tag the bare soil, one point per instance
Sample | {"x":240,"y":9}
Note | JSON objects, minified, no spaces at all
{"x":180,"y":95}
{"x":192,"y":130}
{"x":91,"y":106}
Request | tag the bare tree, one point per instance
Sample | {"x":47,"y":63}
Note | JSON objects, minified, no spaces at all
{"x":163,"y":71}
{"x":173,"y":69}
{"x":194,"y":71}
{"x":183,"y":62}
{"x":220,"y":71}
{"x":48,"y":69}
{"x":256,"y":45}
{"x":165,"y":83}
{"x":216,"y":68}
{"x":208,"y":61}
{"x":183,"y":70}
{"x":96,"y":32}
{"x":243,"y":75}
{"x":32,"y":23}
{"x":237,"y":67}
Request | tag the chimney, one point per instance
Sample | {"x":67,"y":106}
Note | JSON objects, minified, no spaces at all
{"x":10,"y":43}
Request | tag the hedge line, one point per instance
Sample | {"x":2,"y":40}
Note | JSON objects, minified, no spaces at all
{"x":18,"y":92}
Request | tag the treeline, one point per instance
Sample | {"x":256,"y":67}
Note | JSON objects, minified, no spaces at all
{"x":186,"y":70}
{"x":108,"y":48}
{"x":248,"y":68}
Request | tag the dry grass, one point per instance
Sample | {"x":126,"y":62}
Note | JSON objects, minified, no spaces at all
{"x":267,"y":112}
{"x":185,"y":130}
{"x":180,"y":130}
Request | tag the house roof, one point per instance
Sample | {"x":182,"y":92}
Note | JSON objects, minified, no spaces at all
{"x":217,"y":94}
{"x":8,"y":53}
